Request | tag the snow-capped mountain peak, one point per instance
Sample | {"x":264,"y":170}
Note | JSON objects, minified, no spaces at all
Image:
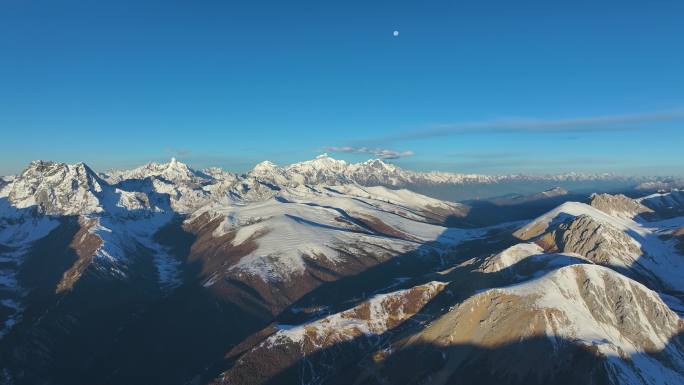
{"x":56,"y":188}
{"x":322,"y":161}
{"x":264,"y":167}
{"x":173,"y":171}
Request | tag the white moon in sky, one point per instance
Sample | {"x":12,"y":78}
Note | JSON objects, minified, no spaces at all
{"x":395,"y":33}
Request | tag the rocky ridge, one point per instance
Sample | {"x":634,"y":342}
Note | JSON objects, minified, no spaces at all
{"x":306,"y":266}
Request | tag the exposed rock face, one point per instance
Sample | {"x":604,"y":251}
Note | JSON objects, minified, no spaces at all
{"x":57,"y":188}
{"x":359,"y":326}
{"x":580,"y":324}
{"x":637,"y":249}
{"x":173,"y":171}
{"x":618,"y":205}
{"x":116,"y":278}
{"x":600,"y":243}
{"x":85,"y":244}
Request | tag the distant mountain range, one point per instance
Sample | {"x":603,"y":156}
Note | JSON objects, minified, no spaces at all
{"x":325,"y":272}
{"x":326,"y":170}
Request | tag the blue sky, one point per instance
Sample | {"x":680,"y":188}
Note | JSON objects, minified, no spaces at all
{"x":488,"y":86}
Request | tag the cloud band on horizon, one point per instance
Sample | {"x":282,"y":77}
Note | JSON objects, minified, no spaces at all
{"x":380,"y":153}
{"x":603,"y":123}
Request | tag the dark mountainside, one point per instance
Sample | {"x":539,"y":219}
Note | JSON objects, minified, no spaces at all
{"x":169,"y":275}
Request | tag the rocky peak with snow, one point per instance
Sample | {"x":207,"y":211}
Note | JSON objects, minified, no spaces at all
{"x":265,"y":167}
{"x":618,"y":205}
{"x":57,"y":188}
{"x":271,"y":173}
{"x":172,"y":171}
{"x":580,"y":324}
{"x":635,"y":246}
{"x":321,"y":170}
{"x":311,"y":270}
{"x":326,"y":170}
{"x":323,"y":162}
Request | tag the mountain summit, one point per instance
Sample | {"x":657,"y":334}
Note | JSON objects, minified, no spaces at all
{"x":293,"y":274}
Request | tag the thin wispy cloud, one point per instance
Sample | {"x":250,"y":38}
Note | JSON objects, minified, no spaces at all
{"x":377,"y":152}
{"x":177,"y":152}
{"x":486,"y":155}
{"x":592,"y":124}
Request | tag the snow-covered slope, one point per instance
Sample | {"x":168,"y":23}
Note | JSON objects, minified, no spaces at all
{"x":628,"y":244}
{"x":289,"y":223}
{"x":303,"y":235}
{"x":325,"y":224}
{"x":567,"y":320}
{"x":360,"y":326}
{"x":56,"y":188}
{"x":578,"y":324}
{"x":187,"y":189}
{"x":116,"y":226}
{"x":210,"y":257}
{"x":665,"y":203}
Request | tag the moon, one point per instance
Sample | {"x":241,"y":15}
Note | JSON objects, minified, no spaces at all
{"x":395,"y":33}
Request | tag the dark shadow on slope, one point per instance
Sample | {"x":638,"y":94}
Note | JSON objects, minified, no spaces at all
{"x":653,"y":251}
{"x":347,"y":291}
{"x":349,"y":218}
{"x":337,"y":292}
{"x":106,"y":330}
{"x":487,"y":213}
{"x":145,"y":186}
{"x":180,"y":337}
{"x":316,"y":224}
{"x":369,"y":359}
{"x":61,"y":332}
{"x":534,"y":360}
{"x":530,"y":361}
{"x":482,"y":191}
{"x":647,"y":277}
{"x":666,"y":206}
{"x":335,"y":296}
{"x":36,"y":275}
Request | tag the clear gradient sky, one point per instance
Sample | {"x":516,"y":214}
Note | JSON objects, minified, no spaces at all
{"x":470,"y":86}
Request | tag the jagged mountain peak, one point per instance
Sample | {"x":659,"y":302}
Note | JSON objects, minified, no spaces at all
{"x":218,"y":173}
{"x":618,"y":205}
{"x":265,"y":166}
{"x":57,"y":173}
{"x":322,"y":262}
{"x":320,"y":162}
{"x":48,"y":168}
{"x":57,"y":188}
{"x":173,"y":171}
{"x":377,"y":167}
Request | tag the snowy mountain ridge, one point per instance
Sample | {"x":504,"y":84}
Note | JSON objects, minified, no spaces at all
{"x":76,"y":189}
{"x":326,"y":170}
{"x":308,"y":269}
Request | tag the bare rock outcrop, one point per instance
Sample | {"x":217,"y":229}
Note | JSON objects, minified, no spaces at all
{"x":618,"y":205}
